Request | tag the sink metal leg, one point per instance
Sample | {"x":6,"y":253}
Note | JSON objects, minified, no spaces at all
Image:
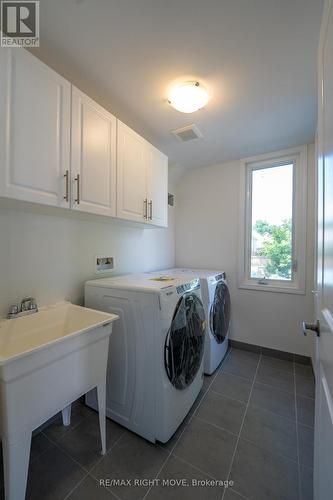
{"x":16,"y":464}
{"x":101,"y":397}
{"x":66,"y":415}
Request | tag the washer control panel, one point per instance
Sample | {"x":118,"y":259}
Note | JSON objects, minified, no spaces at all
{"x":187,"y":287}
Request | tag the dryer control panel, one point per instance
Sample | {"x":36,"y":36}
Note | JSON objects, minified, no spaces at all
{"x":215,"y":279}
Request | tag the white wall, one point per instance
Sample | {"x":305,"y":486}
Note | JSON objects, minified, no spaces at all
{"x":51,"y":256}
{"x":207,"y":228}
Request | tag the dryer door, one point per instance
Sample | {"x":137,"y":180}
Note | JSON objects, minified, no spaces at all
{"x":219,"y":316}
{"x":184,"y":344}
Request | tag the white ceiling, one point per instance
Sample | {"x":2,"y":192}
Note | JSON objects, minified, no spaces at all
{"x":257,"y":57}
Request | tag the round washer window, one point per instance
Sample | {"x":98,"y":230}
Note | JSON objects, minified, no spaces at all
{"x":219,"y":317}
{"x":185,"y":341}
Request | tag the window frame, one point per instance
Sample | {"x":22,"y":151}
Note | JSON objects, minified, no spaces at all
{"x":297,"y":157}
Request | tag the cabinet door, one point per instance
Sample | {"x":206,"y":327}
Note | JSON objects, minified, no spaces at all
{"x":158,"y":188}
{"x":34,"y":129}
{"x":93,"y":156}
{"x":132,"y":160}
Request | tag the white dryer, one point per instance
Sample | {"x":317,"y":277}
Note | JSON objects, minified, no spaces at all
{"x":216,"y":301}
{"x":155,"y":366}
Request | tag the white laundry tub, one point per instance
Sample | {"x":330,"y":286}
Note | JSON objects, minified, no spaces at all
{"x":47,"y":360}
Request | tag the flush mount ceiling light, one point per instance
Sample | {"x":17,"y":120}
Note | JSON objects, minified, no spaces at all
{"x":188,"y":97}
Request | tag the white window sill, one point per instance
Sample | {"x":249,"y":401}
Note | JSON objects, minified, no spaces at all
{"x":292,"y":288}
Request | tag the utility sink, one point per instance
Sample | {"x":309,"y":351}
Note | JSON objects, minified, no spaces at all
{"x":47,"y":361}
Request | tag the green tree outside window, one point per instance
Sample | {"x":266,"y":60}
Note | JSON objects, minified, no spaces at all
{"x":276,"y":246}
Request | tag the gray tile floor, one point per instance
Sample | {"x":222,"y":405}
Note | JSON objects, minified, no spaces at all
{"x":252,"y":425}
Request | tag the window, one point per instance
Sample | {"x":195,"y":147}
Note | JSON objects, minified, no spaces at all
{"x":273,"y":222}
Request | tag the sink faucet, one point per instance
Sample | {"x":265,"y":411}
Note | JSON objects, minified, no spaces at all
{"x":28,"y":306}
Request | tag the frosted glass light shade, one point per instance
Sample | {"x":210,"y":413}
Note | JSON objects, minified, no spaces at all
{"x":188,"y":97}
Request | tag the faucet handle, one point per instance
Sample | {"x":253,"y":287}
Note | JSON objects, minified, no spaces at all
{"x":33,"y":304}
{"x":13,"y":309}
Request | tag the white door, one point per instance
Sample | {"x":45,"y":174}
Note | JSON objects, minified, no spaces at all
{"x":158,"y":188}
{"x":323,"y":464}
{"x":34,"y":130}
{"x":132,"y":161}
{"x":93,"y":168}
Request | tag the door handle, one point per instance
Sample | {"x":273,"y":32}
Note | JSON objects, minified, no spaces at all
{"x":66,"y":177}
{"x":314,"y":327}
{"x":150,"y":209}
{"x":77,"y":179}
{"x":145,"y":208}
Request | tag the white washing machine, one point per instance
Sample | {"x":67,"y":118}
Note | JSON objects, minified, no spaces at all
{"x":216,"y":301}
{"x":155,"y":366}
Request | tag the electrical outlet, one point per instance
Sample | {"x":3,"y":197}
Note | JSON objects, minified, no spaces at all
{"x":171,"y":200}
{"x":103,"y":264}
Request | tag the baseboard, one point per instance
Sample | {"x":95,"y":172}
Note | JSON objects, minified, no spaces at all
{"x":274,"y":353}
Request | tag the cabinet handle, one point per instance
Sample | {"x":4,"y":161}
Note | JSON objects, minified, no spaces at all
{"x":145,"y":208}
{"x":150,"y":209}
{"x":77,"y":179}
{"x":66,"y":177}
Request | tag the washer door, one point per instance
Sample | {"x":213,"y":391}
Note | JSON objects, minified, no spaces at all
{"x":219,"y":316}
{"x":185,"y":341}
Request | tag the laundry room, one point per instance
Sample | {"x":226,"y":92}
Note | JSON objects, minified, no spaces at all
{"x":166,"y":250}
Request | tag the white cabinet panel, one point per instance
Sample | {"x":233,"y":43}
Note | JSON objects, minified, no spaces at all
{"x":132,"y":160}
{"x":34,"y":129}
{"x":93,"y":156}
{"x":158,"y":188}
{"x":142,"y":179}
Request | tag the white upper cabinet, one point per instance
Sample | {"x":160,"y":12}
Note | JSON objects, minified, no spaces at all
{"x":93,"y":166}
{"x":132,"y":161}
{"x":59,"y":147}
{"x":157,"y":189}
{"x":34,"y":130}
{"x":142,"y":179}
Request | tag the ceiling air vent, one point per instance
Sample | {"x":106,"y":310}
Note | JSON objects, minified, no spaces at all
{"x":187,"y":133}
